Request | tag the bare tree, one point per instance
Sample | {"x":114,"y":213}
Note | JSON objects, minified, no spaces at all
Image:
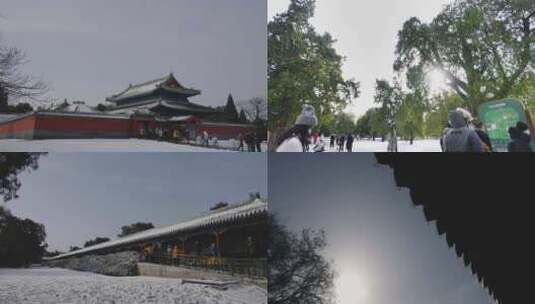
{"x":255,"y":109}
{"x":13,"y":82}
{"x":298,"y":272}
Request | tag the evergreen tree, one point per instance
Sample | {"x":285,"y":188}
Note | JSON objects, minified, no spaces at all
{"x":11,"y":165}
{"x":3,"y":100}
{"x":134,"y":228}
{"x":96,"y":241}
{"x":20,"y":108}
{"x":101,"y":108}
{"x":230,"y":109}
{"x":22,"y":241}
{"x":363,"y":127}
{"x":243,"y":117}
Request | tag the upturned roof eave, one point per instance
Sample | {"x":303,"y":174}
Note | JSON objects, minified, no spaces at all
{"x":160,"y":84}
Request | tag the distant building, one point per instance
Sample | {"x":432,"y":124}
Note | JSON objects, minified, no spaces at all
{"x":156,"y":109}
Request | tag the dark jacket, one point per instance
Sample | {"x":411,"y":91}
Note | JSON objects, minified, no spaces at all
{"x":460,"y":138}
{"x":520,"y":144}
{"x":349,"y":142}
{"x":484,"y":138}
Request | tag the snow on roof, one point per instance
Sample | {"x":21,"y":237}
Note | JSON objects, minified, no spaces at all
{"x":150,"y":86}
{"x":79,"y":108}
{"x":181,"y":118}
{"x":149,"y":104}
{"x":81,"y":114}
{"x":186,"y":107}
{"x":143,"y":88}
{"x":232,"y":212}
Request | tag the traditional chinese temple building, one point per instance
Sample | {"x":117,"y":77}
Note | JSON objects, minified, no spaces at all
{"x":158,"y":108}
{"x":164,"y":97}
{"x":230,"y":238}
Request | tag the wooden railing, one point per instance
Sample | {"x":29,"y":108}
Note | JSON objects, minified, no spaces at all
{"x":250,"y":267}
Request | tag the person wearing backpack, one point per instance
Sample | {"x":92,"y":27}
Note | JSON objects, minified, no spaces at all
{"x":461,"y":138}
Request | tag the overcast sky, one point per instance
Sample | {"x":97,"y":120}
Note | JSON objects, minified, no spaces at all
{"x":89,"y":50}
{"x":367,"y":35}
{"x":80,"y":196}
{"x":382,"y":247}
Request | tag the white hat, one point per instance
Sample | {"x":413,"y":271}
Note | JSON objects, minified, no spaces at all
{"x":307,"y":116}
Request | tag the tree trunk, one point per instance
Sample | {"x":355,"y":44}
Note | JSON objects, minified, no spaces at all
{"x":393,"y":141}
{"x":279,"y":127}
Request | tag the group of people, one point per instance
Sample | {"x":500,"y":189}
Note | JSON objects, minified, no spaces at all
{"x":466,"y":134}
{"x":300,"y":139}
{"x":343,"y":142}
{"x":253,"y":140}
{"x":462,"y":134}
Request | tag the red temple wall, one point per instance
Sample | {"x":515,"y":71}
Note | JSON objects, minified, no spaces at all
{"x":42,"y":126}
{"x":79,"y":127}
{"x":20,"y":128}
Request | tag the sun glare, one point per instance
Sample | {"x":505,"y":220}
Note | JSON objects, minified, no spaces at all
{"x":351,"y":288}
{"x":437,"y":80}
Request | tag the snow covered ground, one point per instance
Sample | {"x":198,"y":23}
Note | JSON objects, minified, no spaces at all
{"x":53,"y":285}
{"x":426,"y":145}
{"x":96,"y":145}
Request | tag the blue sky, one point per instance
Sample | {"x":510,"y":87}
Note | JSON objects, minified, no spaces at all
{"x":79,"y":196}
{"x":89,"y":50}
{"x":381,"y":245}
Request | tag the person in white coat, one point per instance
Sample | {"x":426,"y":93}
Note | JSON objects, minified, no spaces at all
{"x":297,"y":138}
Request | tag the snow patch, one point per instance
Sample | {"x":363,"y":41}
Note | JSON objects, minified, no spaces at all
{"x":426,"y":145}
{"x":96,"y":145}
{"x":52,"y":285}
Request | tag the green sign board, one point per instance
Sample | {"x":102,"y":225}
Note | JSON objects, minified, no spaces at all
{"x":498,"y":116}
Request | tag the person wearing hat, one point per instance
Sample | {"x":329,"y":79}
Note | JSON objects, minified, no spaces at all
{"x":297,"y":138}
{"x":461,"y":138}
{"x":520,"y":139}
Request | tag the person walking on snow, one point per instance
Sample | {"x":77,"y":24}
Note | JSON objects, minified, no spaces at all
{"x":341,"y":143}
{"x":349,"y":144}
{"x":333,"y":140}
{"x":240,"y":141}
{"x":298,"y":137}
{"x":205,"y":138}
{"x":461,"y":138}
